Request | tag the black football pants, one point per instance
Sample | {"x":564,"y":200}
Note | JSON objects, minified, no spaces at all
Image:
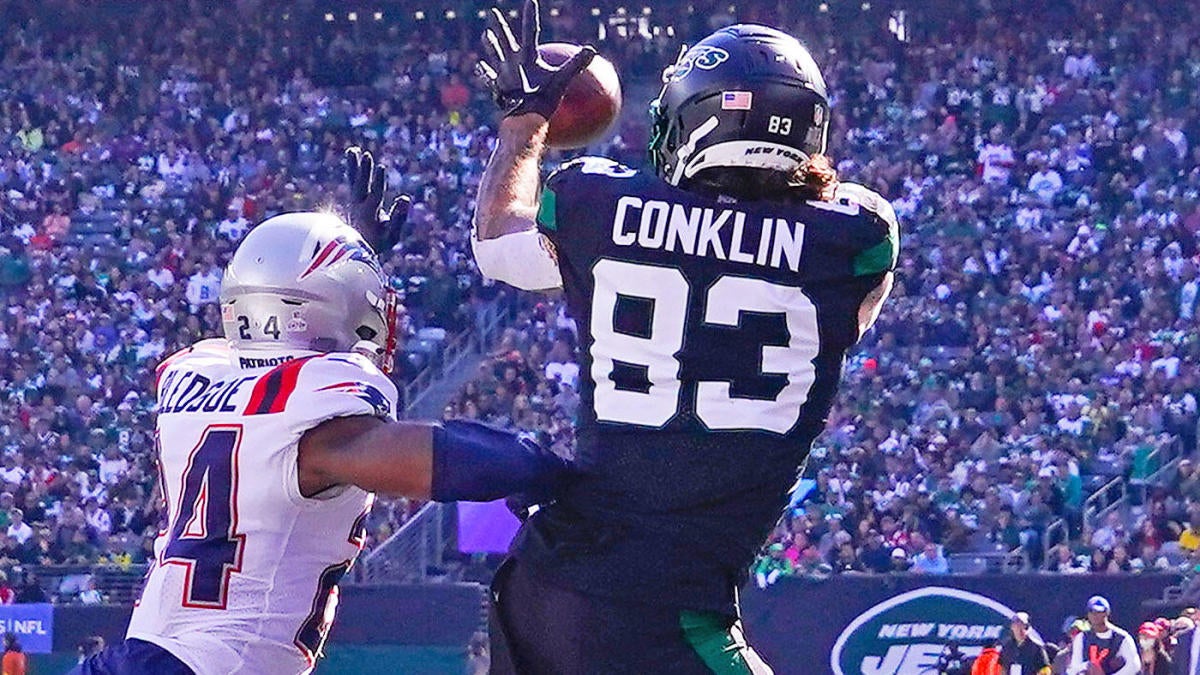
{"x":541,"y":629}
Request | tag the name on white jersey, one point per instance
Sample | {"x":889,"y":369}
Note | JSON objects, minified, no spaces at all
{"x":185,"y":391}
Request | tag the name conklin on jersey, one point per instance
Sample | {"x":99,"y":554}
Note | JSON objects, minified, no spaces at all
{"x":702,"y":232}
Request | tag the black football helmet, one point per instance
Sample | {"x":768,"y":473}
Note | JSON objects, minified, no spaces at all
{"x":746,"y":97}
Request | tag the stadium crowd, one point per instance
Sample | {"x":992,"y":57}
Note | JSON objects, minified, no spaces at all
{"x":1041,"y":339}
{"x":130,"y":168}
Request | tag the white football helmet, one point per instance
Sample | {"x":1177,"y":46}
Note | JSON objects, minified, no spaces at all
{"x":308,"y":280}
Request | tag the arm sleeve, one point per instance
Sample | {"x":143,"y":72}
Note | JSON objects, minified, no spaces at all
{"x":477,"y":463}
{"x":1077,"y":665}
{"x":1133,"y":660}
{"x":526,"y":260}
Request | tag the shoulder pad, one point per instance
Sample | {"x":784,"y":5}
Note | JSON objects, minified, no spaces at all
{"x":868,"y":199}
{"x":882,"y":256}
{"x":573,"y":171}
{"x":348,"y":384}
{"x":213,"y":347}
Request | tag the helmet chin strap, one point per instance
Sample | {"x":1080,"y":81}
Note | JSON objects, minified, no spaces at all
{"x":688,"y":148}
{"x":374,"y":353}
{"x":391,"y":318}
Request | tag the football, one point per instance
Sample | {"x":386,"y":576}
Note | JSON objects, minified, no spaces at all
{"x":591,"y":103}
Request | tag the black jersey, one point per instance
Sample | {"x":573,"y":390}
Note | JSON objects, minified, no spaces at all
{"x":712,"y":336}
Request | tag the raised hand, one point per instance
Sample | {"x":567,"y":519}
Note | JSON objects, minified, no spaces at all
{"x":521,"y":82}
{"x":381,"y":228}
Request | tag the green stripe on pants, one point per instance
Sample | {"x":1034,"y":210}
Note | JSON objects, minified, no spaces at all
{"x":721,"y":645}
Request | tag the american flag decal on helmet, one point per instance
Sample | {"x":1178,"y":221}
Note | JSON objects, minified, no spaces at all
{"x":366,"y":392}
{"x":341,"y":248}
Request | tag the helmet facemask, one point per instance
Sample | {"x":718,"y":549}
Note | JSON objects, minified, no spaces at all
{"x":379,"y":342}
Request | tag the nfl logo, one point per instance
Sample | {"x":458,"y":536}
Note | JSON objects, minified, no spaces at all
{"x":735,"y":100}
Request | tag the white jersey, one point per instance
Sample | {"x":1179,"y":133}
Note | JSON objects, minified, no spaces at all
{"x":246,"y":570}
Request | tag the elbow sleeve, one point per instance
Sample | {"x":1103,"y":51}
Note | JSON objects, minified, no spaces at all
{"x":477,"y":463}
{"x":523,"y":259}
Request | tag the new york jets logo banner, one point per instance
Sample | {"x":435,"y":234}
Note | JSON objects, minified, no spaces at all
{"x":906,"y":634}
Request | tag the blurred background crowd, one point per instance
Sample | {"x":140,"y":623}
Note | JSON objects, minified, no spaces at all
{"x":1030,"y":390}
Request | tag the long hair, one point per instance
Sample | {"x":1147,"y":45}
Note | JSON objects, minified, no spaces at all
{"x":815,"y":179}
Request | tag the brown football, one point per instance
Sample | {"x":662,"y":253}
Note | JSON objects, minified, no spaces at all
{"x":591,"y":103}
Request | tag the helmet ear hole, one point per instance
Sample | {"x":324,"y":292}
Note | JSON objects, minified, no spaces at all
{"x":366,"y":333}
{"x":325,"y":345}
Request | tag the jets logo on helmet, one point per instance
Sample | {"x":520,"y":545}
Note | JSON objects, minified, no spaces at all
{"x":700,"y":56}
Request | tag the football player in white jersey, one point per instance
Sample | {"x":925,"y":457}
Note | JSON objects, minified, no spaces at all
{"x":272,"y":442}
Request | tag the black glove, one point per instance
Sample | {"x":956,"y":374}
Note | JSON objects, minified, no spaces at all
{"x":521,"y":82}
{"x":382,"y":229}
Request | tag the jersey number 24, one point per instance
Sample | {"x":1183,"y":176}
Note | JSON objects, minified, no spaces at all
{"x":724,"y":303}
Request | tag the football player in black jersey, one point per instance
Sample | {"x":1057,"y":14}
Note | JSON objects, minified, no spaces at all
{"x":716,"y":298}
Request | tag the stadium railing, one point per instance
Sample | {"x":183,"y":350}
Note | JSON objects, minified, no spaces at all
{"x":1012,"y":562}
{"x":470,"y":340}
{"x":118,"y":584}
{"x":1055,"y":534}
{"x":1102,"y":502}
{"x":414,"y":553}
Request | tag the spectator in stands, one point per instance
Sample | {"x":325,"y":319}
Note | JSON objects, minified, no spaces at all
{"x":772,"y":567}
{"x":90,"y":595}
{"x":18,"y":529}
{"x":1189,"y":539}
{"x":874,"y":554}
{"x":30,"y":591}
{"x":7,"y":595}
{"x":931,"y":560}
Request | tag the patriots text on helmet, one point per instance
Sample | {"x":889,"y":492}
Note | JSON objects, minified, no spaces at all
{"x":722,"y":234}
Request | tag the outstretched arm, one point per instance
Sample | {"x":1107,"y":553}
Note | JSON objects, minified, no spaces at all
{"x":508,"y":192}
{"x":455,"y":461}
{"x":505,"y":241}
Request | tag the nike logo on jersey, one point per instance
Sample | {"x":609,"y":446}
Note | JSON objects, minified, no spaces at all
{"x":722,"y":234}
